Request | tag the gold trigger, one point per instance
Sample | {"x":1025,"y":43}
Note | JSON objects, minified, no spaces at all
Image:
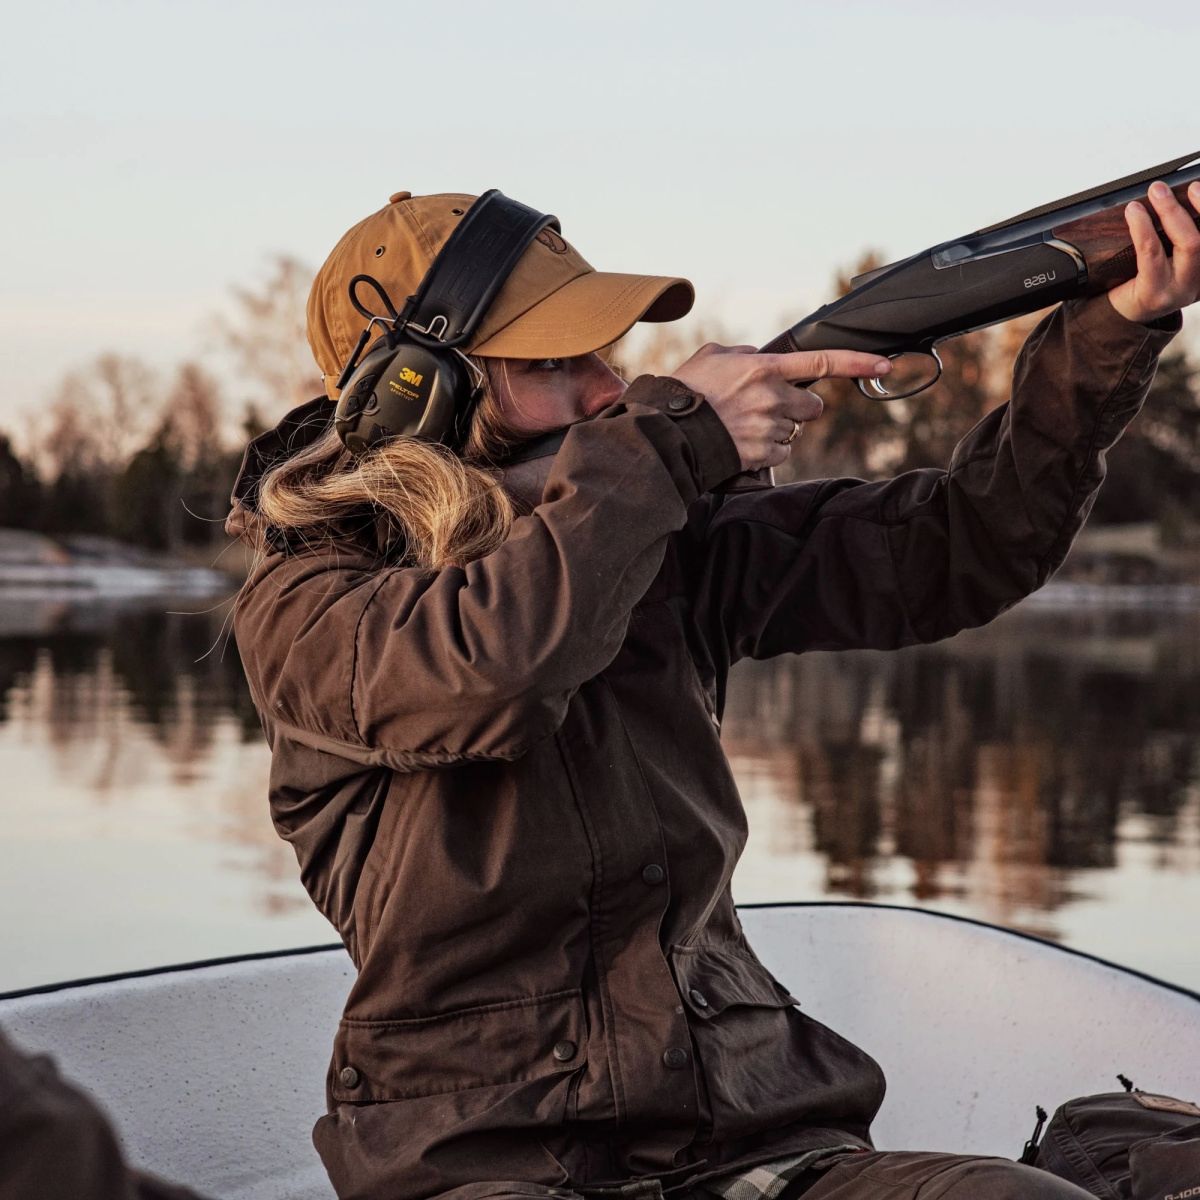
{"x":879,"y":392}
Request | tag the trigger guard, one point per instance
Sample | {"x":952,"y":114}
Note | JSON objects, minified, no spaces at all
{"x":881,"y":393}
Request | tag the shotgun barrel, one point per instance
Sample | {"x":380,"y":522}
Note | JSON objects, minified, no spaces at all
{"x":1077,"y":246}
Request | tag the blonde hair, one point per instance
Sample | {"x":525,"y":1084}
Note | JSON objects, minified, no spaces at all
{"x":434,"y":508}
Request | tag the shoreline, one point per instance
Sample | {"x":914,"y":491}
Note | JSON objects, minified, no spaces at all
{"x":88,"y":581}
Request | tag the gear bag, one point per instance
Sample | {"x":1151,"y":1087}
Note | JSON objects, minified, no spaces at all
{"x":1129,"y":1145}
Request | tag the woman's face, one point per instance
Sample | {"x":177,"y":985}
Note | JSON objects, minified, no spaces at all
{"x":538,"y":395}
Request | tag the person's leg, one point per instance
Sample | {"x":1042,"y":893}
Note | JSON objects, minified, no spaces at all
{"x":901,"y":1175}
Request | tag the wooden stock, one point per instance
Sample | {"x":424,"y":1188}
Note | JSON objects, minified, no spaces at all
{"x":1103,"y":240}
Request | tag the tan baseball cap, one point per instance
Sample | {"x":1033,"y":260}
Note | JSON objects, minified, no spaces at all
{"x":553,"y":305}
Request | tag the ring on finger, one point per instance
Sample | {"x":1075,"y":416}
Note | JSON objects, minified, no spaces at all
{"x":791,"y":437}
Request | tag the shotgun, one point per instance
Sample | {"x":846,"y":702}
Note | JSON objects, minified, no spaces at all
{"x":1078,"y":246}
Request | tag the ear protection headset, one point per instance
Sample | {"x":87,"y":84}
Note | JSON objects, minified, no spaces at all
{"x":417,"y":382}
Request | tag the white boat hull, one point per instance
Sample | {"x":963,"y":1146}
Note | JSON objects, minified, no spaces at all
{"x":973,"y":1026}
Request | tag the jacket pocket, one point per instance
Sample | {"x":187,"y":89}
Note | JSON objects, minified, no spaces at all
{"x":714,"y":979}
{"x":512,"y":1041}
{"x":764,"y":1064}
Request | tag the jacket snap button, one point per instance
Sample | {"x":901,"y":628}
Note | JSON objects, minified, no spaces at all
{"x":564,"y":1051}
{"x":676,"y":1058}
{"x":699,"y":999}
{"x":679,"y":403}
{"x":350,"y":1077}
{"x":653,"y":874}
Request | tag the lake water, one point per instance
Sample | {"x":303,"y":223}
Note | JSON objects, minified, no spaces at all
{"x":1041,"y":773}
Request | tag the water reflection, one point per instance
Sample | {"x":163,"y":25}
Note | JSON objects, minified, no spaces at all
{"x":1043,"y":772}
{"x":175,"y":669}
{"x":135,"y":830}
{"x":1003,"y":766}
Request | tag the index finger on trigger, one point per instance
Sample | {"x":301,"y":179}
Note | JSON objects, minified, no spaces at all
{"x":828,"y":364}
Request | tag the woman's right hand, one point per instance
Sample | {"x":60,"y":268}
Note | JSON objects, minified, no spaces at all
{"x":755,"y":397}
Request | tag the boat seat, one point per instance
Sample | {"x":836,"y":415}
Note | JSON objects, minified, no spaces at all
{"x":973,"y":1026}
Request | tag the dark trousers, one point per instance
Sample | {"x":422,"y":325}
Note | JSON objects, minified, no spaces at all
{"x":872,"y":1175}
{"x":904,"y":1175}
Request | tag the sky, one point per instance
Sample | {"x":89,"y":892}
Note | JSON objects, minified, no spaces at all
{"x":156,"y":154}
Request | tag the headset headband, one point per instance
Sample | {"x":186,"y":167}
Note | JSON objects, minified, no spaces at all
{"x":418,"y":382}
{"x":471,"y":268}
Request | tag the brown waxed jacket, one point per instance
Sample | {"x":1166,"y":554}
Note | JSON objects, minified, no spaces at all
{"x":506,"y":789}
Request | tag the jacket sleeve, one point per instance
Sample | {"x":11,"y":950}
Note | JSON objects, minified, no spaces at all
{"x":838,"y":564}
{"x":410,"y":668}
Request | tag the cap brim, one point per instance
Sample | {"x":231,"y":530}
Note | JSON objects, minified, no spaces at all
{"x":588,"y":313}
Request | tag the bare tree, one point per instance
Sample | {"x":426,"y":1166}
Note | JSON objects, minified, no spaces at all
{"x":98,"y":415}
{"x":70,"y":458}
{"x":195,"y":407}
{"x":123,"y":391}
{"x":266,"y":335}
{"x":197,"y":420}
{"x":67,"y":439}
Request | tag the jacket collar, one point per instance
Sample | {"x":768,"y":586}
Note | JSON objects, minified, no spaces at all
{"x":298,"y":429}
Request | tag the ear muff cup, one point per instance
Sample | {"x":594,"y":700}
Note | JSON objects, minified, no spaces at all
{"x":405,"y":390}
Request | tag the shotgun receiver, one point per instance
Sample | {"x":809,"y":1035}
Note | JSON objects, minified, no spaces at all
{"x":1078,"y":246}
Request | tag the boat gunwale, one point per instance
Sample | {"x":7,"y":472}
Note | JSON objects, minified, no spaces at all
{"x":46,"y":989}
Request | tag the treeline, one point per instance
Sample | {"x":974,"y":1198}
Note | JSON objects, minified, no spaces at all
{"x":121,"y":451}
{"x":150,"y":460}
{"x":117,"y":457}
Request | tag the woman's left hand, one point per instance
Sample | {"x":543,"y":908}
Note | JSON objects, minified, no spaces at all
{"x":1161,"y":284}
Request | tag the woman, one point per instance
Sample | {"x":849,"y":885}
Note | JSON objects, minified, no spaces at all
{"x":493,"y":697}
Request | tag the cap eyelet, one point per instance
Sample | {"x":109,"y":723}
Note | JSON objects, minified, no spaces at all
{"x":379,"y":251}
{"x":458,"y":212}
